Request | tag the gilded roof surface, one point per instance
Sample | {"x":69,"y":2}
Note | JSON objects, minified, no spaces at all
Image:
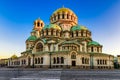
{"x":52,"y":26}
{"x":78,"y":27}
{"x":63,"y":10}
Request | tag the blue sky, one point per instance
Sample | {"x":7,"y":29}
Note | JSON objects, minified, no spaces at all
{"x":102,"y":17}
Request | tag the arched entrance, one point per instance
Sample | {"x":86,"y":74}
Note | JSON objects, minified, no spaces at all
{"x":73,"y":59}
{"x":73,"y":63}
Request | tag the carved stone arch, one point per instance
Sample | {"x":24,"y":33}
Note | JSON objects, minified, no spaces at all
{"x":73,"y":55}
{"x":73,"y":52}
{"x":39,"y":46}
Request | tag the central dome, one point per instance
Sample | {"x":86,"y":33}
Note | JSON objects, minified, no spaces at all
{"x":63,"y":16}
{"x":60,"y":10}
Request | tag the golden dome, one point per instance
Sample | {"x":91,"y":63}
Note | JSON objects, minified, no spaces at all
{"x":38,"y":20}
{"x":63,"y":10}
{"x":38,"y":24}
{"x":63,"y":15}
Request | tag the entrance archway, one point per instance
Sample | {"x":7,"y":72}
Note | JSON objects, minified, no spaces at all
{"x":73,"y":59}
{"x":73,"y":63}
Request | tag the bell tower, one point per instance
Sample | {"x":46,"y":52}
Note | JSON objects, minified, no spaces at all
{"x":38,"y":25}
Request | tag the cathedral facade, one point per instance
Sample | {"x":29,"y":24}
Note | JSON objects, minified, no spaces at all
{"x":62,"y":44}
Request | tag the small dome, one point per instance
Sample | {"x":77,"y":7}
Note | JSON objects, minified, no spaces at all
{"x":93,"y":43}
{"x":14,"y":56}
{"x":32,"y":38}
{"x":78,"y":27}
{"x":38,"y":20}
{"x":54,"y":26}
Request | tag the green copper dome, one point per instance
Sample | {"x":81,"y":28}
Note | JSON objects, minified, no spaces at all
{"x":93,"y":43}
{"x":54,"y":26}
{"x":32,"y":38}
{"x":78,"y":27}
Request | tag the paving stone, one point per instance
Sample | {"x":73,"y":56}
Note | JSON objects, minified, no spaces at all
{"x":58,"y":74}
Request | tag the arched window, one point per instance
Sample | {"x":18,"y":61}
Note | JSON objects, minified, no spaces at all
{"x":41,"y":24}
{"x":60,"y":34}
{"x":38,"y":24}
{"x":52,"y":32}
{"x":92,"y":49}
{"x":41,"y":60}
{"x":54,"y":60}
{"x":58,"y":60}
{"x":54,"y":17}
{"x":81,"y":33}
{"x":83,"y":61}
{"x":58,"y":16}
{"x":67,"y":16}
{"x":77,"y":33}
{"x":35,"y":60}
{"x":98,"y":62}
{"x":39,"y":47}
{"x":62,"y":16}
{"x":38,"y":60}
{"x":97,"y":49}
{"x":47,"y":32}
{"x":73,"y":56}
{"x":62,"y":60}
{"x":72,"y":34}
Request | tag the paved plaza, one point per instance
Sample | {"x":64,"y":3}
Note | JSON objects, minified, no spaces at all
{"x":57,"y":74}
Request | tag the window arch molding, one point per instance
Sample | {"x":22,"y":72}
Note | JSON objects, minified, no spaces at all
{"x":39,"y":45}
{"x":73,"y":55}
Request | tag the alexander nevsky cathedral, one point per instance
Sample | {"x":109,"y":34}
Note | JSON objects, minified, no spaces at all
{"x":62,"y":44}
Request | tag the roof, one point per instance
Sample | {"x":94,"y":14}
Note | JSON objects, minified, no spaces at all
{"x":52,"y":26}
{"x":93,"y":43}
{"x":32,"y":38}
{"x":78,"y":27}
{"x":100,"y":54}
{"x":38,"y":20}
{"x":63,"y":10}
{"x":70,"y":42}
